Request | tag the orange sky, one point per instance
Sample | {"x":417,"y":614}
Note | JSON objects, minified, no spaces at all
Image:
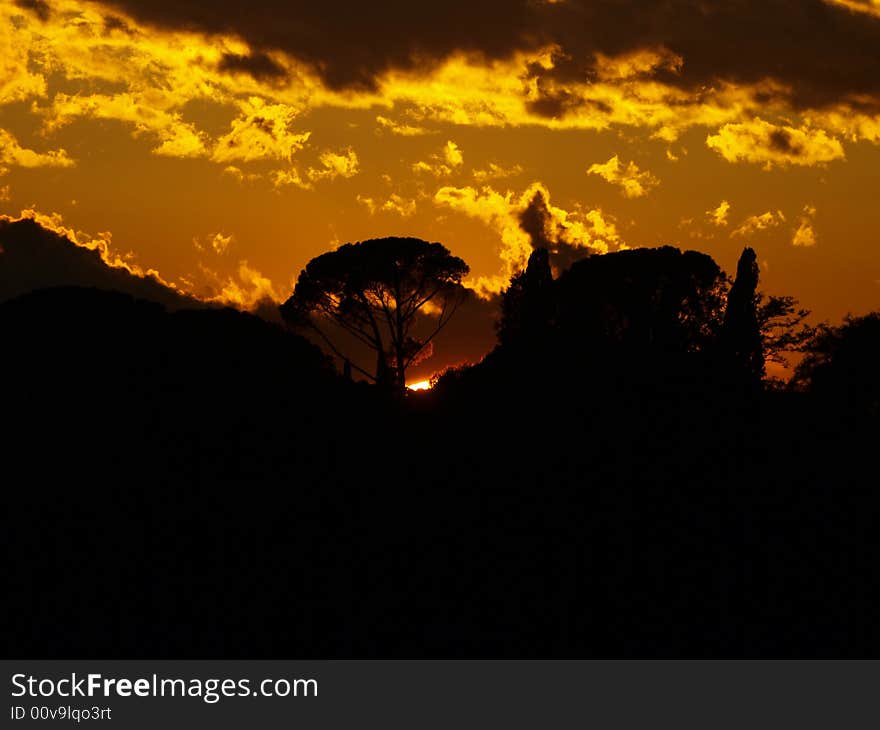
{"x":225,"y":153}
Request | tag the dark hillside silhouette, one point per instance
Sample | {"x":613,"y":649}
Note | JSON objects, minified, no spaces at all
{"x":33,"y":257}
{"x":610,"y":481}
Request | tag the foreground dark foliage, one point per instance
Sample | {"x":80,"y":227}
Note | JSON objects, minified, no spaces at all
{"x":201,"y":484}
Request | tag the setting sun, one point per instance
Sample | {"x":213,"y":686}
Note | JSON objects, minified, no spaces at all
{"x":420,"y":385}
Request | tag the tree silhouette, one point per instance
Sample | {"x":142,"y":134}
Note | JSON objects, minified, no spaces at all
{"x":741,"y":334}
{"x":782,"y":326}
{"x":662,"y":300}
{"x":527,"y":304}
{"x":374,"y":290}
{"x":841,"y":364}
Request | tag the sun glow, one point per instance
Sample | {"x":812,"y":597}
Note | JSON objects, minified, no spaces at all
{"x":421,"y":385}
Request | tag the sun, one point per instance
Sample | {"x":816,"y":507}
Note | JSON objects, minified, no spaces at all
{"x":421,"y":385}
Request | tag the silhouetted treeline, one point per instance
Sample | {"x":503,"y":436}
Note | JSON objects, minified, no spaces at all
{"x":612,"y":480}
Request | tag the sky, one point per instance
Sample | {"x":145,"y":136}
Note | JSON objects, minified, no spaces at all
{"x":224,"y":144}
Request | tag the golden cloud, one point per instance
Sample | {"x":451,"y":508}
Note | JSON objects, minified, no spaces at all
{"x":590,"y":231}
{"x":770,"y":144}
{"x":336,"y":164}
{"x":397,"y":204}
{"x":869,"y":7}
{"x":494,"y":171}
{"x":443,"y":164}
{"x":401,"y":128}
{"x":176,"y":137}
{"x":641,"y":62}
{"x":756,"y":223}
{"x":261,"y":132}
{"x":13,"y":154}
{"x":240,"y":175}
{"x":216,"y":242}
{"x":805,"y":235}
{"x":453,"y":154}
{"x":17,"y":81}
{"x":146,"y":77}
{"x":248,"y":290}
{"x":333,"y":165}
{"x":820,"y":53}
{"x":718,"y":216}
{"x":465,"y":90}
{"x":847,"y":122}
{"x":159,"y":74}
{"x":283,"y":178}
{"x":633,"y":182}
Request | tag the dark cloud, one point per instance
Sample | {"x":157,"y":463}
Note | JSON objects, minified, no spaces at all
{"x":38,"y":7}
{"x":33,"y":257}
{"x":258,"y":65}
{"x":351,"y":42}
{"x":556,"y":103}
{"x":781,"y":141}
{"x":825,"y":52}
{"x":545,"y":232}
{"x":536,"y":220}
{"x":111,"y":23}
